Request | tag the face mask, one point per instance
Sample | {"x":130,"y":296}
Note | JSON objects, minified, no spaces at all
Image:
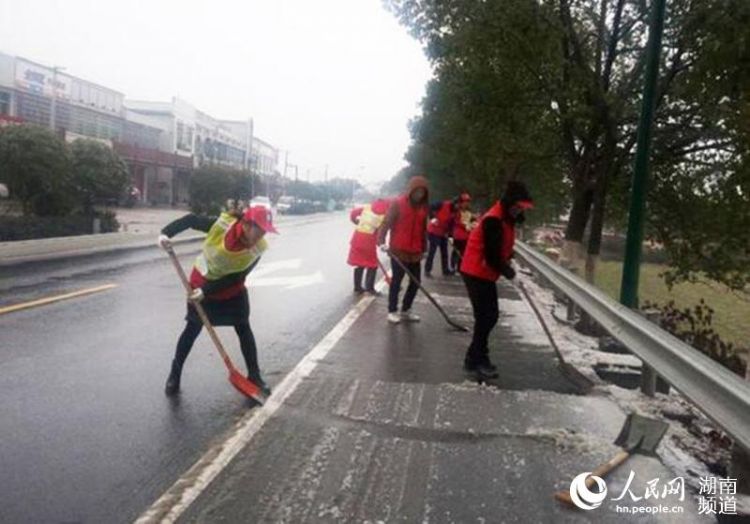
{"x":516,"y":214}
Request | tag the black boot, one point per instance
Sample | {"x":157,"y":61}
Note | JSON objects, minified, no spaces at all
{"x":481,"y":370}
{"x":255,"y":378}
{"x":173,"y":381}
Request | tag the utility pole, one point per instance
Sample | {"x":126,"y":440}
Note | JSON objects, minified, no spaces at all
{"x":325,"y":184}
{"x":296,"y":182}
{"x":53,"y":105}
{"x":634,"y":241}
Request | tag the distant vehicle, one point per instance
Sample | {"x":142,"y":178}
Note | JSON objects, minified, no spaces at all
{"x":284,"y":204}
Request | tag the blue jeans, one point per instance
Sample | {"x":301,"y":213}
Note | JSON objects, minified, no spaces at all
{"x":435,"y":243}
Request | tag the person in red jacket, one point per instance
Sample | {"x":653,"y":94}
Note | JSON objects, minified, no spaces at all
{"x":487,"y":257}
{"x":438,"y":230}
{"x":407,"y":222}
{"x":463,"y":223}
{"x":363,"y":253}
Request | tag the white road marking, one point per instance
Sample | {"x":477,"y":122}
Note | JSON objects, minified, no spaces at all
{"x":265,"y":268}
{"x":187,"y":488}
{"x":290,"y":282}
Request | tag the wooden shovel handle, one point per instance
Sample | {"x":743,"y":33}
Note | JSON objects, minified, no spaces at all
{"x":201,"y":312}
{"x":601,"y":471}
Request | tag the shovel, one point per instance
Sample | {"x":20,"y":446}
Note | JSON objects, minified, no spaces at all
{"x":241,"y":383}
{"x":385,"y":272}
{"x":448,"y":319}
{"x":639,"y":434}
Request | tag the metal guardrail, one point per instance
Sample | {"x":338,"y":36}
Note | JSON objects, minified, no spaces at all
{"x":720,"y":394}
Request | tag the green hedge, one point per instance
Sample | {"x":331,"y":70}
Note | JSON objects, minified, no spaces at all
{"x":29,"y":228}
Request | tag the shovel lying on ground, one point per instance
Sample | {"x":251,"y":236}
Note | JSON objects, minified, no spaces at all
{"x":448,"y":319}
{"x":639,"y":434}
{"x":241,"y":383}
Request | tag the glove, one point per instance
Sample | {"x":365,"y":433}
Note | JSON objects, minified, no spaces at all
{"x":164,"y":242}
{"x":196,"y":295}
{"x":434,"y":222}
{"x":508,"y":272}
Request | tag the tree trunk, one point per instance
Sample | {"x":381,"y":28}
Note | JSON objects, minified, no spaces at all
{"x":572,"y":252}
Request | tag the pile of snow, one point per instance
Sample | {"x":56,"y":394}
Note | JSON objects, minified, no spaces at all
{"x":693,"y":446}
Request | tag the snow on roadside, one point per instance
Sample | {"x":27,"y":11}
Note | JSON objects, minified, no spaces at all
{"x":692,"y":448}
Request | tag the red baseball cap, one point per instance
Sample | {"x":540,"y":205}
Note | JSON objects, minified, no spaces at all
{"x":524,"y":204}
{"x":260,"y":216}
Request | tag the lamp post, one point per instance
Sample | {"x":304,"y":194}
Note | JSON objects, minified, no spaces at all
{"x":634,"y":241}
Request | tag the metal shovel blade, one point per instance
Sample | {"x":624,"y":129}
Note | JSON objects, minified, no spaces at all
{"x":244,"y":386}
{"x":641,"y":434}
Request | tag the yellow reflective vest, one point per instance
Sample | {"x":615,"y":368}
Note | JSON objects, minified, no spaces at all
{"x":369,"y":221}
{"x":215,"y":261}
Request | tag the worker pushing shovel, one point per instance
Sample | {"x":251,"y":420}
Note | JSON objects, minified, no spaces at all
{"x":406,"y":220}
{"x":216,"y":289}
{"x":485,"y":260}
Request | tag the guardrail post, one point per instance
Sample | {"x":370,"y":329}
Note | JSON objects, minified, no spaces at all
{"x":571,"y":315}
{"x":648,"y":380}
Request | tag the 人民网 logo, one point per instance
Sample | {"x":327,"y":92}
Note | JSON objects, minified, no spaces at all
{"x":582,"y":496}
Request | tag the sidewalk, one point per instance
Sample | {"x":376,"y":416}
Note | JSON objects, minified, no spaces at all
{"x":385,"y":427}
{"x":139,"y":228}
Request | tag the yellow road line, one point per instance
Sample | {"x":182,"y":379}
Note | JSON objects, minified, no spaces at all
{"x":55,"y":298}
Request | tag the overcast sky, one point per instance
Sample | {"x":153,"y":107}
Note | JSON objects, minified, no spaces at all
{"x":333,"y":81}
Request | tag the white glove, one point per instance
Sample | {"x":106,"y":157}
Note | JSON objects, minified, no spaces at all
{"x":164,"y":242}
{"x":196,"y":295}
{"x":434,"y":222}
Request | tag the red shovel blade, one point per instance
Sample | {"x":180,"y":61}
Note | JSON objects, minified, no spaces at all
{"x":246,"y":387}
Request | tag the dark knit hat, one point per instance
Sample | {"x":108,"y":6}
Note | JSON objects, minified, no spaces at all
{"x":516,"y":191}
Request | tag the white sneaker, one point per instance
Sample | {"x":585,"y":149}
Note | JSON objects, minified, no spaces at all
{"x":409,"y":316}
{"x":394,"y":318}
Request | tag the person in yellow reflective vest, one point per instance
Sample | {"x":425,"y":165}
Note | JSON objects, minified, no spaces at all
{"x":363,"y":254}
{"x":233,"y":246}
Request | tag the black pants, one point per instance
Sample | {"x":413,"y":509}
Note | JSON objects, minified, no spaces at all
{"x":369,"y":278}
{"x":411,"y":291}
{"x":435,"y":243}
{"x":459,"y":246}
{"x":483,"y":296}
{"x":244,"y":332}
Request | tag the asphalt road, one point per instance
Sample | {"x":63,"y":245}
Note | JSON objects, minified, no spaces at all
{"x":86,"y":432}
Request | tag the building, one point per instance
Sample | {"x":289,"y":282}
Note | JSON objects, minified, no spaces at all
{"x":190,"y":132}
{"x":76,"y":108}
{"x":264,"y":157}
{"x":161,"y":142}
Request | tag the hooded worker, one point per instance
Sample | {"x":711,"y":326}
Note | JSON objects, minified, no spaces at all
{"x":487,"y":257}
{"x":233,"y":246}
{"x":463,"y":223}
{"x":406,"y":221}
{"x":363,"y":253}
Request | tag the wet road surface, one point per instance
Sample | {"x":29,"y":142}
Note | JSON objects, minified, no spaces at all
{"x":86,"y":432}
